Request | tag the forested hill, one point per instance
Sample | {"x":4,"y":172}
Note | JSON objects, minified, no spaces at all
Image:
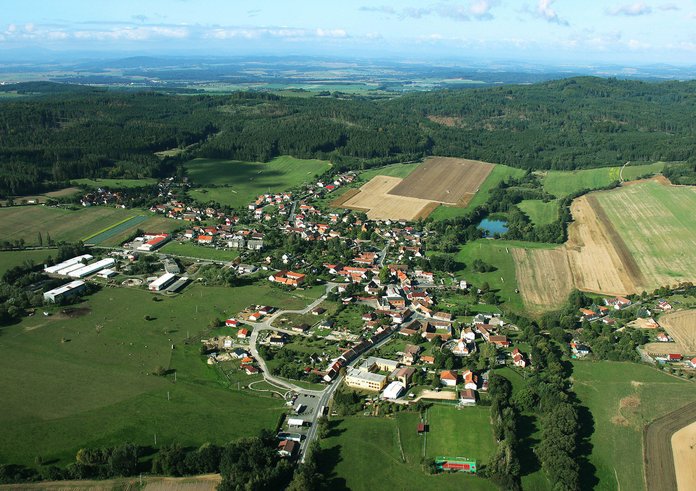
{"x":565,"y":124}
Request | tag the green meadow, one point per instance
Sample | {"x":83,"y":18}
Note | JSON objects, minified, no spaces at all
{"x":188,"y":249}
{"x":10,"y":259}
{"x":563,"y":183}
{"x":242,"y":182}
{"x":540,"y":212}
{"x":84,"y":378}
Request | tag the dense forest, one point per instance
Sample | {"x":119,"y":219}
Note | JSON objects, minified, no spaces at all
{"x":54,"y":133}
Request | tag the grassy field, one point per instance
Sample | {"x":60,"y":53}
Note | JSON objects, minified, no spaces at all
{"x":84,"y":381}
{"x":10,"y":259}
{"x":189,"y":249}
{"x":657,"y":224}
{"x":244,"y":181}
{"x":62,"y":225}
{"x":498,"y":174}
{"x":394,"y":170}
{"x":115,"y":183}
{"x":361,"y":452}
{"x":563,"y":183}
{"x":497,"y":253}
{"x":622,"y":398}
{"x":539,"y":212}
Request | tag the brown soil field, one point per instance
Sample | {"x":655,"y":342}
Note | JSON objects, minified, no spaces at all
{"x":544,"y":276}
{"x":684,"y":449}
{"x":662,"y":458}
{"x":681,"y":326}
{"x":445,"y":180}
{"x":374,"y":198}
{"x":338,"y":202}
{"x":598,"y":257}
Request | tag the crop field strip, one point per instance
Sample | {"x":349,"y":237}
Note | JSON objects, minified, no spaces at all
{"x":114,"y":229}
{"x":445,"y":180}
{"x":658,"y":454}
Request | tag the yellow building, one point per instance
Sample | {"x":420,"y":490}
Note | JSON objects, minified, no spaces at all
{"x":362,"y":379}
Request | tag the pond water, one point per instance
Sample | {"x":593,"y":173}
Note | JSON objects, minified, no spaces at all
{"x":492,"y":227}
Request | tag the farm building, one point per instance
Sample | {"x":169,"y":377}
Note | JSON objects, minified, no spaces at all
{"x":362,"y":379}
{"x":288,"y":278}
{"x":92,"y":268}
{"x":57,"y":294}
{"x":287,"y":448}
{"x":162,"y":282}
{"x":70,"y":262}
{"x":153,"y":241}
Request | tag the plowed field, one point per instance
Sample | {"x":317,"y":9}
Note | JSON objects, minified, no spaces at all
{"x":374,"y":199}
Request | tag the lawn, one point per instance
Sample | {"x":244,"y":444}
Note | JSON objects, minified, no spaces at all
{"x":26,"y":222}
{"x":85,"y":381}
{"x":10,"y":259}
{"x":498,"y":174}
{"x":244,"y":181}
{"x":563,"y":183}
{"x":115,"y":183}
{"x":459,"y":433}
{"x":540,"y":212}
{"x":365,"y":453}
{"x":188,"y":249}
{"x":622,"y":398}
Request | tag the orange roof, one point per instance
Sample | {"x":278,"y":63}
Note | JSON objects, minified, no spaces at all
{"x":448,"y":375}
{"x":205,"y":238}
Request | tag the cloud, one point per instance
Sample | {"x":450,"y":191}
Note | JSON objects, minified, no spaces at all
{"x":457,"y":11}
{"x":631,"y":10}
{"x":669,"y":6}
{"x":545,"y":11}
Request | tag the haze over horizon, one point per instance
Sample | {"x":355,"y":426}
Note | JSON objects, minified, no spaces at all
{"x":538,"y":31}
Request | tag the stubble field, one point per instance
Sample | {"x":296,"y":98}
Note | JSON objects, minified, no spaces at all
{"x":375,"y":199}
{"x":627,"y":240}
{"x":681,"y":326}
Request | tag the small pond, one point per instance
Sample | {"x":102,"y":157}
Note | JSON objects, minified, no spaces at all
{"x":492,"y":227}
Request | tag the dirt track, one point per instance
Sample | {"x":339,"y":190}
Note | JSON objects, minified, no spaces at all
{"x":445,"y":180}
{"x":658,"y":455}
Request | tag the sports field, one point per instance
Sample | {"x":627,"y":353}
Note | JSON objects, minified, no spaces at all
{"x":622,"y":398}
{"x":244,"y":181}
{"x":10,"y":259}
{"x":635,"y":238}
{"x":563,"y":183}
{"x":82,"y":380}
{"x":363,"y":453}
{"x":445,"y":180}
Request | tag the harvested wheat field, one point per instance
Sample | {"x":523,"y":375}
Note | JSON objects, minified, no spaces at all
{"x":543,"y":276}
{"x":684,"y":449}
{"x":627,"y":240}
{"x":682,"y":327}
{"x":662,"y":349}
{"x":375,"y":200}
{"x":445,"y":180}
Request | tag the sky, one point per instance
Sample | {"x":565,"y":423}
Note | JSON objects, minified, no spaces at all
{"x":554,"y":31}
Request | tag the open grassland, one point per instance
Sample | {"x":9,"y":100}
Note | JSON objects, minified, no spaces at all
{"x":498,"y":174}
{"x":188,"y":249}
{"x":375,"y":199}
{"x":83,"y":381}
{"x":459,"y":433}
{"x":10,"y":259}
{"x":445,"y":180}
{"x":563,"y":183}
{"x":544,"y":277}
{"x":657,"y":225}
{"x":26,"y":222}
{"x":540,"y":212}
{"x":115,"y":183}
{"x":622,"y":398}
{"x":244,"y":181}
{"x":365,"y":453}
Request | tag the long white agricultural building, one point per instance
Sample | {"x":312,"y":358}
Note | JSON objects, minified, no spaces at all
{"x":92,"y":268}
{"x":67,"y":290}
{"x":162,"y":282}
{"x":78,"y":259}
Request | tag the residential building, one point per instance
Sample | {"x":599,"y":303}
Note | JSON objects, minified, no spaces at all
{"x":467,"y":397}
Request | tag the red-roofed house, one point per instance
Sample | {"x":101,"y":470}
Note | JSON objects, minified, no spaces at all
{"x":448,"y":378}
{"x":231,"y":322}
{"x":243,"y":333}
